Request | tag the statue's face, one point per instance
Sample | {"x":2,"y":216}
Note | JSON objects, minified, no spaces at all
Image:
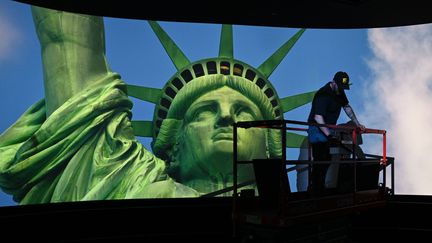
{"x":206,"y":146}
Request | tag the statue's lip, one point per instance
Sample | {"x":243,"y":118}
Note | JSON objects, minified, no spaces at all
{"x":223,"y":134}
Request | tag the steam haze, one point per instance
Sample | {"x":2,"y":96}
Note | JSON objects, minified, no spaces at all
{"x":399,"y":100}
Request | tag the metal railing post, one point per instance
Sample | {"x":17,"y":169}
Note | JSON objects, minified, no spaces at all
{"x":354,"y":139}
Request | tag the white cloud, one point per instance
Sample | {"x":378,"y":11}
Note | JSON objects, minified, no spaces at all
{"x":9,"y":37}
{"x":399,"y":100}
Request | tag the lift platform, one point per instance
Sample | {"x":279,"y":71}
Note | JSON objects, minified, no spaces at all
{"x":272,"y":212}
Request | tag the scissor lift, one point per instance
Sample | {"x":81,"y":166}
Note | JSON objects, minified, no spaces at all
{"x":277,"y":214}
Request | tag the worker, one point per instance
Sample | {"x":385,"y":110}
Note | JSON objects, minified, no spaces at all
{"x":326,"y":106}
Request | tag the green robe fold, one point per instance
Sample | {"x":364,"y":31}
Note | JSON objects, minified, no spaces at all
{"x":85,"y":150}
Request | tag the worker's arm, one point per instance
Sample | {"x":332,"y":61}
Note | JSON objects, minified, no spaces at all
{"x":320,"y":120}
{"x":350,"y":113}
{"x":73,"y":53}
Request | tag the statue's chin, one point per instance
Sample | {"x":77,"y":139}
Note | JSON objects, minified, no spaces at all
{"x":220,"y":158}
{"x":224,"y":147}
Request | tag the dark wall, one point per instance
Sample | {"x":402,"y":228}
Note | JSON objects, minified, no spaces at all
{"x":295,"y":14}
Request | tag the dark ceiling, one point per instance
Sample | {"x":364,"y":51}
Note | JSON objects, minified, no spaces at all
{"x":332,"y":14}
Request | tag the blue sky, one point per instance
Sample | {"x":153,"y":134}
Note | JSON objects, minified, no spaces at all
{"x":371,"y":57}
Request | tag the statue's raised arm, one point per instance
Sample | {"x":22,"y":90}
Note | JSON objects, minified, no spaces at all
{"x":73,"y":53}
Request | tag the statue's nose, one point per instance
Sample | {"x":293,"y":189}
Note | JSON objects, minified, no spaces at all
{"x":225,"y":117}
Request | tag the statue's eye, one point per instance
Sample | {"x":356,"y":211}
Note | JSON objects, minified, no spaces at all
{"x":244,"y":113}
{"x":202,"y":113}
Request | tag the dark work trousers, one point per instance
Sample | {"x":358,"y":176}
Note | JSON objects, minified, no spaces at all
{"x":320,"y":152}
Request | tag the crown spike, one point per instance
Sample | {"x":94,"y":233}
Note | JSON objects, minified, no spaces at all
{"x":151,"y":95}
{"x":295,"y":101}
{"x":226,"y":42}
{"x":176,"y":55}
{"x":274,"y":60}
{"x":294,"y":140}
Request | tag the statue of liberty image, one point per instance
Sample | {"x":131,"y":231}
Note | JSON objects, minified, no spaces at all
{"x":79,"y":142}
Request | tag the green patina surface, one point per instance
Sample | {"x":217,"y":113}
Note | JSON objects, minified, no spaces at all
{"x":80,"y":144}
